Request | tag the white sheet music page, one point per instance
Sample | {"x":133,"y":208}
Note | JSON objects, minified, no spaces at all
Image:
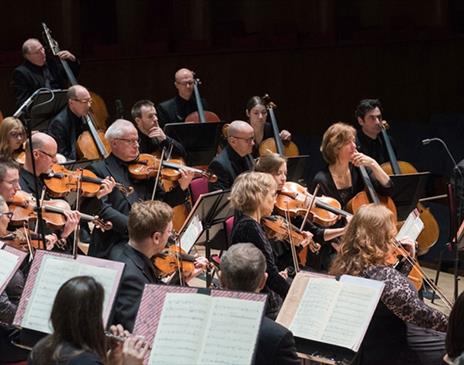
{"x":232,"y":332}
{"x":181,"y":328}
{"x":8,"y":262}
{"x":412,"y":227}
{"x":191,"y":234}
{"x":315,"y":308}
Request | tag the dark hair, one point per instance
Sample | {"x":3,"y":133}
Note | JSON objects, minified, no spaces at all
{"x":455,"y":333}
{"x":270,"y":163}
{"x":77,"y":321}
{"x":365,"y":106}
{"x":5,"y":165}
{"x":136,"y":110}
{"x":253,"y":101}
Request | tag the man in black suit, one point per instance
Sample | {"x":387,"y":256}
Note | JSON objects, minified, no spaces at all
{"x":38,"y":71}
{"x":176,"y":109}
{"x":150,"y":226}
{"x":68,"y":124}
{"x":235,"y":158}
{"x":243,"y":267}
{"x":115,"y":207}
{"x":152,"y":136}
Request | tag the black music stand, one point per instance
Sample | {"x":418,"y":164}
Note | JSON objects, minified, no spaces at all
{"x":200,"y":140}
{"x":296,"y":166}
{"x":212,"y":210}
{"x":46,"y":105}
{"x":407,"y":190}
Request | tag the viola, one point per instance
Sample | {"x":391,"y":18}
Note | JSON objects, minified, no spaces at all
{"x":146,"y":166}
{"x":24,"y":208}
{"x":60,"y":181}
{"x":295,"y":199}
{"x":23,"y":239}
{"x":171,"y":259}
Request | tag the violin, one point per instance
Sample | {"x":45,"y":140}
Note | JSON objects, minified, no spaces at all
{"x":24,"y":208}
{"x":170,"y":259}
{"x":23,"y":238}
{"x":146,"y":166}
{"x":295,"y":199}
{"x":60,"y":181}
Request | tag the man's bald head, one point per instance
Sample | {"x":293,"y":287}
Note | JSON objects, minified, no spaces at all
{"x":34,"y":52}
{"x":183,"y":80}
{"x":240,"y":136}
{"x":40,"y":140}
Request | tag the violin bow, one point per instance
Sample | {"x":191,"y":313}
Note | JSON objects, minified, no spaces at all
{"x":310,"y":206}
{"x":158,"y":174}
{"x":77,"y":231}
{"x":290,"y":239}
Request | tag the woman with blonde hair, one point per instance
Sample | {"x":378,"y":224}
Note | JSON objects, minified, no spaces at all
{"x":12,"y":137}
{"x":403,"y":330}
{"x":253,"y":195}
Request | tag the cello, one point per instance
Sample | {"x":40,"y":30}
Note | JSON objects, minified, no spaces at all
{"x":201,"y":115}
{"x":429,"y":236}
{"x":90,"y":120}
{"x":275,"y":143}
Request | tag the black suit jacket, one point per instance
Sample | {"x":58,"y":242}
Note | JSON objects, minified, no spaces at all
{"x":28,"y":77}
{"x":227,"y":166}
{"x":115,"y":207}
{"x":65,"y":128}
{"x":276,"y":345}
{"x":176,"y":109}
{"x":138,"y":271}
{"x":151,"y":145}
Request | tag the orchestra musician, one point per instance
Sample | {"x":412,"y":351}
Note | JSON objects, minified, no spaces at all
{"x":404,"y":330}
{"x":253,"y":194}
{"x":12,"y":137}
{"x":150,"y":227}
{"x":256,"y":113}
{"x":78,"y":336}
{"x":152,"y":136}
{"x":369,"y":116}
{"x":39,"y":71}
{"x":176,"y":109}
{"x":454,"y":334}
{"x":235,"y":158}
{"x":276,"y":165}
{"x":115,"y":207}
{"x":243,"y":267}
{"x":67,"y":125}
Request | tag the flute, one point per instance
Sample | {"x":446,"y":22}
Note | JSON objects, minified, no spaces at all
{"x":121,"y":338}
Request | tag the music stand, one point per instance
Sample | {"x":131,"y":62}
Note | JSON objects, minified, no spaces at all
{"x":46,"y":105}
{"x":296,"y":166}
{"x":212,"y":210}
{"x":407,"y":190}
{"x":200,"y":140}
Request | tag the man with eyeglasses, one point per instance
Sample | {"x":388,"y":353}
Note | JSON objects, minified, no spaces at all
{"x":235,"y":158}
{"x":68,"y":124}
{"x":39,"y":71}
{"x":176,"y":109}
{"x":115,"y":207}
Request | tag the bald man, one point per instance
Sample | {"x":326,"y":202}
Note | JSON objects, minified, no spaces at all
{"x":38,"y":70}
{"x":235,"y":158}
{"x":68,"y":124}
{"x":176,"y":109}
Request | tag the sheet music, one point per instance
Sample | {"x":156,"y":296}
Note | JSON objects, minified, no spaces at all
{"x":54,"y":272}
{"x":315,"y":307}
{"x":180,"y":329}
{"x":191,"y":234}
{"x":412,"y":227}
{"x":231,"y":332}
{"x":8,"y":262}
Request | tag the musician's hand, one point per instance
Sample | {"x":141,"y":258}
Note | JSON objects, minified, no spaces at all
{"x":72,"y":220}
{"x":106,"y":187}
{"x":360,"y":159}
{"x":285,"y":135}
{"x":186,"y":178}
{"x":134,"y":350}
{"x":157,"y":133}
{"x":409,"y":245}
{"x":284,"y":274}
{"x":50,"y":240}
{"x":115,"y":354}
{"x":201,"y":262}
{"x":66,"y":55}
{"x":348,"y":219}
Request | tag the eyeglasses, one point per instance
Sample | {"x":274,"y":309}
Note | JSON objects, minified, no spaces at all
{"x":247,"y":140}
{"x":48,"y":154}
{"x":84,"y":101}
{"x":130,"y":141}
{"x":7,"y":214}
{"x":12,"y":182}
{"x":185,"y":83}
{"x":16,"y":135}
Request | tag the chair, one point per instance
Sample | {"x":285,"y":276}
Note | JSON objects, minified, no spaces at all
{"x":198,"y":186}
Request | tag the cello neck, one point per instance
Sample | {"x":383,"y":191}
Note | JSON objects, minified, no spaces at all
{"x":201,"y":111}
{"x":391,"y":153}
{"x":96,"y":138}
{"x":368,"y":183}
{"x":275,"y":128}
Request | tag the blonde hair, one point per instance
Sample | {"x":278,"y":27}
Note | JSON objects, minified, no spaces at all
{"x":335,"y":137}
{"x":270,"y":163}
{"x":250,"y":189}
{"x":366,"y":241}
{"x":6,"y":126}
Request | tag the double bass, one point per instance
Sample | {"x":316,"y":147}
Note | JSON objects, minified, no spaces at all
{"x":429,"y":236}
{"x":95,"y":146}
